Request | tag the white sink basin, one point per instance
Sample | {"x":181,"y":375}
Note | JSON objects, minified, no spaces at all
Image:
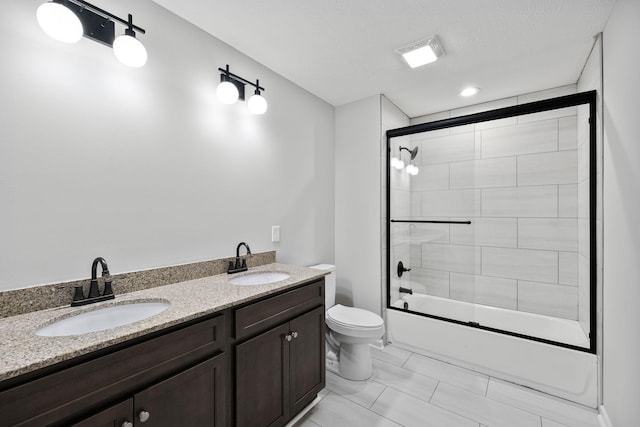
{"x":102,"y":319}
{"x":262,"y":278}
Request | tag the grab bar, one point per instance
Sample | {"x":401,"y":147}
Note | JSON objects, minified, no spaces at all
{"x":429,"y":222}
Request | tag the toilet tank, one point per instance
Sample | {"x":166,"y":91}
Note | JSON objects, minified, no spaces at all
{"x":329,"y":283}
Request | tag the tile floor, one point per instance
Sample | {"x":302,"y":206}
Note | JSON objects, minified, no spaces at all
{"x":409,"y":389}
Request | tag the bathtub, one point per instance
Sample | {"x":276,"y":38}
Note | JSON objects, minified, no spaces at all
{"x":563,"y":372}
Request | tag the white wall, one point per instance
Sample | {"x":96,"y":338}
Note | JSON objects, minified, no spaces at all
{"x":621,"y":351}
{"x":357,"y":204}
{"x":591,"y":79}
{"x":360,"y":138}
{"x":144,"y":166}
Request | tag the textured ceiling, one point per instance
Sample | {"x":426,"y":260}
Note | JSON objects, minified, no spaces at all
{"x":343,"y":50}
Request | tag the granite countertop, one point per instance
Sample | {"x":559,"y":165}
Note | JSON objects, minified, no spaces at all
{"x":23,"y":351}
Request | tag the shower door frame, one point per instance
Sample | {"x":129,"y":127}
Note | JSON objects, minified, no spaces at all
{"x":572,"y":100}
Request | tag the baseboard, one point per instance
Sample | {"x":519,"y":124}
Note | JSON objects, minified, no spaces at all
{"x":603,"y":417}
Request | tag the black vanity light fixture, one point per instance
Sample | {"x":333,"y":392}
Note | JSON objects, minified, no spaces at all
{"x":231,"y":88}
{"x":68,"y":20}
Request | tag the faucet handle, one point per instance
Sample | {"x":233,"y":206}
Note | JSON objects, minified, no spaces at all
{"x":78,"y":295}
{"x":108,"y":290}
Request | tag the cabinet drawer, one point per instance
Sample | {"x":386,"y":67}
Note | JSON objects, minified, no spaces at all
{"x":269,"y":312}
{"x":90,"y":385}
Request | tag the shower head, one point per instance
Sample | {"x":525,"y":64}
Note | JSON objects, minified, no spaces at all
{"x":413,"y":152}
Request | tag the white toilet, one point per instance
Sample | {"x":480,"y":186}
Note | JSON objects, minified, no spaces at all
{"x":350,"y":330}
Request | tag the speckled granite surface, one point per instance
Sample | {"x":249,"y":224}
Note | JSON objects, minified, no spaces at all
{"x":22,"y":351}
{"x":26,"y":300}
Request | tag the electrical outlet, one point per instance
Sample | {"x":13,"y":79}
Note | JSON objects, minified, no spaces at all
{"x":275,"y":233}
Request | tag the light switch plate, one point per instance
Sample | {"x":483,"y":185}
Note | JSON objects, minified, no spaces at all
{"x":275,"y":233}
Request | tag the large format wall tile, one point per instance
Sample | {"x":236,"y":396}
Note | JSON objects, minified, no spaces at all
{"x":447,"y":203}
{"x":568,"y":133}
{"x":492,"y":291}
{"x":430,"y":282}
{"x":530,"y":138}
{"x":568,"y":201}
{"x":431,"y":177}
{"x":568,"y":268}
{"x":429,"y":233}
{"x":461,"y":259}
{"x":548,"y":299}
{"x":499,"y":172}
{"x":559,"y":234}
{"x":532,"y":202}
{"x":523,"y":264}
{"x":446,"y":149}
{"x":547,"y":115}
{"x":548,"y":168}
{"x":500,"y":232}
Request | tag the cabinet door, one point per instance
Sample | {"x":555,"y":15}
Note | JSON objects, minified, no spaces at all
{"x":194,"y":398}
{"x":114,"y":416}
{"x":262,"y":379}
{"x":306,"y":359}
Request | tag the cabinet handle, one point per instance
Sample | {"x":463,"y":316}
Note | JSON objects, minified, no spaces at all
{"x":294,"y":334}
{"x":143,"y":416}
{"x":287,"y":337}
{"x":127,"y":424}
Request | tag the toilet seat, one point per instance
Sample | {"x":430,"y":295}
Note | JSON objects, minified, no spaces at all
{"x":354,"y":322}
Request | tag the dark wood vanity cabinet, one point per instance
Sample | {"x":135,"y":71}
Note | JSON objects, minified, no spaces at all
{"x":281,"y":370}
{"x":255,"y":365}
{"x":194,"y":398}
{"x":182,"y":372}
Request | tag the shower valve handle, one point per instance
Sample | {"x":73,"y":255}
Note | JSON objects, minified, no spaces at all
{"x":402,"y":269}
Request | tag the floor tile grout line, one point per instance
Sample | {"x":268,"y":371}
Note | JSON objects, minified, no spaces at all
{"x":456,"y":413}
{"x":434,"y":391}
{"x":495,"y":401}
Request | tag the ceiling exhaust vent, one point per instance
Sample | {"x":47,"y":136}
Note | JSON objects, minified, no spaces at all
{"x":421,"y":52}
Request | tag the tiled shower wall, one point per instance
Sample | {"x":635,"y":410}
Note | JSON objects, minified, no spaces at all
{"x":519,"y":181}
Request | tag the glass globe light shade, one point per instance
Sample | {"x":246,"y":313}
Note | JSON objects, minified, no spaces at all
{"x":59,"y":22}
{"x":412,"y":170}
{"x":227,"y":93}
{"x":399,"y":164}
{"x":130,"y":51}
{"x":257,"y":104}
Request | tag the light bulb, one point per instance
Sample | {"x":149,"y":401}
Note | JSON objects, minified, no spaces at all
{"x":129,"y":50}
{"x":59,"y":22}
{"x":469,"y":91}
{"x":412,"y":170}
{"x":257,"y":104}
{"x":397,"y":163}
{"x":227,"y":93}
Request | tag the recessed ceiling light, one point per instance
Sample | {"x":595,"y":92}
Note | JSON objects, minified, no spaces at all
{"x":469,"y":91}
{"x":422,"y":51}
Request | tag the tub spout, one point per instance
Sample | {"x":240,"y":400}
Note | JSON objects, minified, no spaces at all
{"x":406,"y":290}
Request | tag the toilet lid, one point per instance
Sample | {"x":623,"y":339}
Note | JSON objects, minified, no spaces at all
{"x":354,"y":317}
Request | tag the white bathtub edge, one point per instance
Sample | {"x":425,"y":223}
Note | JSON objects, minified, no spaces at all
{"x":565,"y":373}
{"x":603,"y":417}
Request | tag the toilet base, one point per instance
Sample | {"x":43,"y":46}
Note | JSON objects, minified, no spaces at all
{"x":355,"y":362}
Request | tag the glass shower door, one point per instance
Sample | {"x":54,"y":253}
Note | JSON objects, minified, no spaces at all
{"x":491,"y":220}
